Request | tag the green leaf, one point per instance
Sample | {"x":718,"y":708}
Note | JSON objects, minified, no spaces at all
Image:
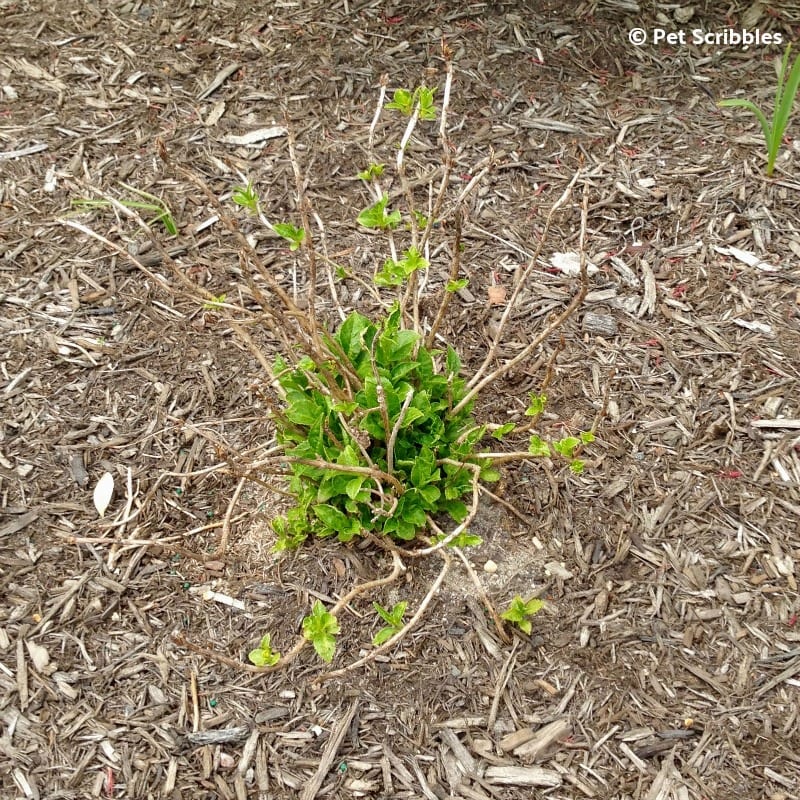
{"x":456,"y":509}
{"x":421,"y":219}
{"x":423,"y":467}
{"x":519,"y":612}
{"x":587,"y":437}
{"x":566,"y":446}
{"x":246,"y":196}
{"x":320,"y":628}
{"x":383,"y":635}
{"x":412,"y":260}
{"x":354,"y":487}
{"x":538,"y":447}
{"x":538,"y":403}
{"x":490,"y":475}
{"x":345,"y":407}
{"x":430,"y":495}
{"x":215,"y":302}
{"x":577,"y":466}
{"x":403,"y":101}
{"x":333,"y":518}
{"x":402,"y":344}
{"x":457,"y":285}
{"x":453,"y":362}
{"x":426,"y":372}
{"x":390,"y":275}
{"x":412,"y":415}
{"x":371,"y":172}
{"x":424,"y":97}
{"x":352,"y":334}
{"x":293,"y":235}
{"x":375,"y":216}
{"x":464,"y":539}
{"x":301,"y":410}
{"x":263,"y":656}
{"x":393,"y":617}
{"x":501,"y":431}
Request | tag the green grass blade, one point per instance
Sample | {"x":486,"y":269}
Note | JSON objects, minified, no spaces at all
{"x":781,"y":81}
{"x":85,"y":202}
{"x":169,"y":223}
{"x":783,"y":109}
{"x":753,"y":108}
{"x":144,"y":194}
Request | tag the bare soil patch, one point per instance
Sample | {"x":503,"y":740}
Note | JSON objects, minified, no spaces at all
{"x":667,"y":663}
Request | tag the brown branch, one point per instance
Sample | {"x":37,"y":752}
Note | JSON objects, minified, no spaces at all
{"x":520,"y":284}
{"x":548,"y":330}
{"x":455,"y":266}
{"x":389,"y":643}
{"x":303,"y":206}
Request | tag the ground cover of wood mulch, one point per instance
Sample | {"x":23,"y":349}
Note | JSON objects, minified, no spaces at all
{"x":667,"y":662}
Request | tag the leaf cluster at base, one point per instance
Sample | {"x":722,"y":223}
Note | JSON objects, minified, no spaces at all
{"x":371,"y":438}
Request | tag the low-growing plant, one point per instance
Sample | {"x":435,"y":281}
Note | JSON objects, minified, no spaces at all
{"x":371,"y":437}
{"x":785,"y":94}
{"x":263,"y":655}
{"x":320,"y":627}
{"x":520,"y":612}
{"x":393,"y":620}
{"x":374,"y":416}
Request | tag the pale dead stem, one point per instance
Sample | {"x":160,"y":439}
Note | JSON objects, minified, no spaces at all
{"x":389,"y":643}
{"x":477,"y":384}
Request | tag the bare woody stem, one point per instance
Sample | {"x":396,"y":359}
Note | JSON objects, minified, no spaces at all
{"x":447,"y":155}
{"x":520,"y":285}
{"x":395,"y":431}
{"x":372,"y":472}
{"x":556,"y":323}
{"x":409,"y":197}
{"x":303,"y":206}
{"x":455,"y":266}
{"x":389,"y":643}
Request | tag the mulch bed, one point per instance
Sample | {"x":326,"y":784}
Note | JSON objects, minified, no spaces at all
{"x":667,"y":662}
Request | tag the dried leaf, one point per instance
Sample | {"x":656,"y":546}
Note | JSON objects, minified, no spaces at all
{"x":497,"y":295}
{"x":103,"y":493}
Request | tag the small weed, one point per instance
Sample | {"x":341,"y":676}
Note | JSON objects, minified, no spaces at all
{"x":292,"y":234}
{"x":376,"y":216}
{"x":405,"y":102}
{"x":785,"y":93}
{"x":393,"y":620}
{"x":394,"y":273}
{"x":320,"y":628}
{"x":215,"y":302}
{"x":263,"y":655}
{"x":456,"y":286}
{"x":246,"y":196}
{"x":371,"y":172}
{"x":520,"y":612}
